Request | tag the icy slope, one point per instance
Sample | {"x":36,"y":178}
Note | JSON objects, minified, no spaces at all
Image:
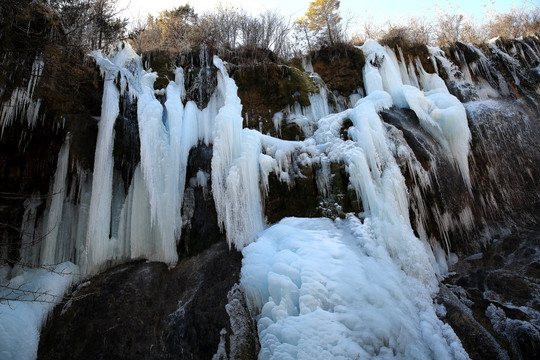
{"x":331,"y":290}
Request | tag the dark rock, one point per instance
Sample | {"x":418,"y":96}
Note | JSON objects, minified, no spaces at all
{"x":292,"y":131}
{"x":344,"y":132}
{"x":340,"y":67}
{"x":278,"y":204}
{"x":200,"y":225}
{"x":407,"y":121}
{"x":465,"y":92}
{"x":493,"y":306}
{"x":146,"y":311}
{"x":477,"y":341}
{"x":127,"y":145}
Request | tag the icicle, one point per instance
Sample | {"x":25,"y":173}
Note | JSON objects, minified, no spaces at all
{"x":175,"y":113}
{"x":30,"y":246}
{"x":99,"y":218}
{"x":201,"y":180}
{"x":277,"y":119}
{"x":440,"y":113}
{"x":21,"y":103}
{"x":50,"y":242}
{"x":179,"y":80}
{"x":160,"y":177}
{"x":319,"y":101}
{"x":227,"y":147}
{"x":100,"y":203}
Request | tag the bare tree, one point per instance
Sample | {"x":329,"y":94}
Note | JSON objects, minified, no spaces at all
{"x":251,"y":31}
{"x":421,"y":30}
{"x":93,"y":24}
{"x":223,"y":26}
{"x":450,"y":27}
{"x":471,"y":32}
{"x":302,"y":27}
{"x":137,"y":34}
{"x":519,"y":21}
{"x":370,"y":29}
{"x":276,"y":33}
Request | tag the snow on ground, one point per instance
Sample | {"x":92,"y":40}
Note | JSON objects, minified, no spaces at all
{"x":24,"y":310}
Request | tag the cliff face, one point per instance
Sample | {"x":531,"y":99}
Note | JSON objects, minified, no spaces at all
{"x":52,"y":119}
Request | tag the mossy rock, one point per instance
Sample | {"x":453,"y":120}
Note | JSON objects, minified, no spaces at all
{"x":300,"y":200}
{"x":346,"y":198}
{"x":162,"y":62}
{"x":296,"y":85}
{"x":267,"y":89}
{"x":340,"y":68}
{"x":296,"y":63}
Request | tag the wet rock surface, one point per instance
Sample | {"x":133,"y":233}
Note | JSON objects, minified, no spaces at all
{"x":492,"y":298}
{"x":199,"y":217}
{"x":146,"y":311}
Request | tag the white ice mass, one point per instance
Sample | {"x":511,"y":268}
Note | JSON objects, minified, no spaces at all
{"x":28,"y":297}
{"x":331,"y":290}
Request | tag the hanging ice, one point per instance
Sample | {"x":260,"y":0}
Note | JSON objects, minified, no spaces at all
{"x":239,"y":166}
{"x":166,"y":138}
{"x":22,"y":102}
{"x":97,"y":239}
{"x":160,"y":166}
{"x":440,"y":113}
{"x":50,"y":255}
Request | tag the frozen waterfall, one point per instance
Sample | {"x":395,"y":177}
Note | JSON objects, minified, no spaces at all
{"x":357,"y":287}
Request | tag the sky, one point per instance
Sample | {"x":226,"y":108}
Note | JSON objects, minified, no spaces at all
{"x":379,"y":10}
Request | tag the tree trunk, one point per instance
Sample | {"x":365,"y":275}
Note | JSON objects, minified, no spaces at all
{"x":330,"y":37}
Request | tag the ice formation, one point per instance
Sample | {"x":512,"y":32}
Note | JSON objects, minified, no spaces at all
{"x":441,"y":114}
{"x":50,"y":255}
{"x":167,"y":134}
{"x":332,"y":290}
{"x":308,"y":311}
{"x":358,"y":287}
{"x":236,"y":166}
{"x":27,"y":299}
{"x":22,"y":102}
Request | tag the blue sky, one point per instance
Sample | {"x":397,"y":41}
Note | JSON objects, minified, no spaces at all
{"x":380,"y":10}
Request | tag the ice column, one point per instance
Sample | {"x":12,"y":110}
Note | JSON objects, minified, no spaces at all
{"x":54,"y":216}
{"x":227,"y":146}
{"x":97,"y":238}
{"x":159,"y":170}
